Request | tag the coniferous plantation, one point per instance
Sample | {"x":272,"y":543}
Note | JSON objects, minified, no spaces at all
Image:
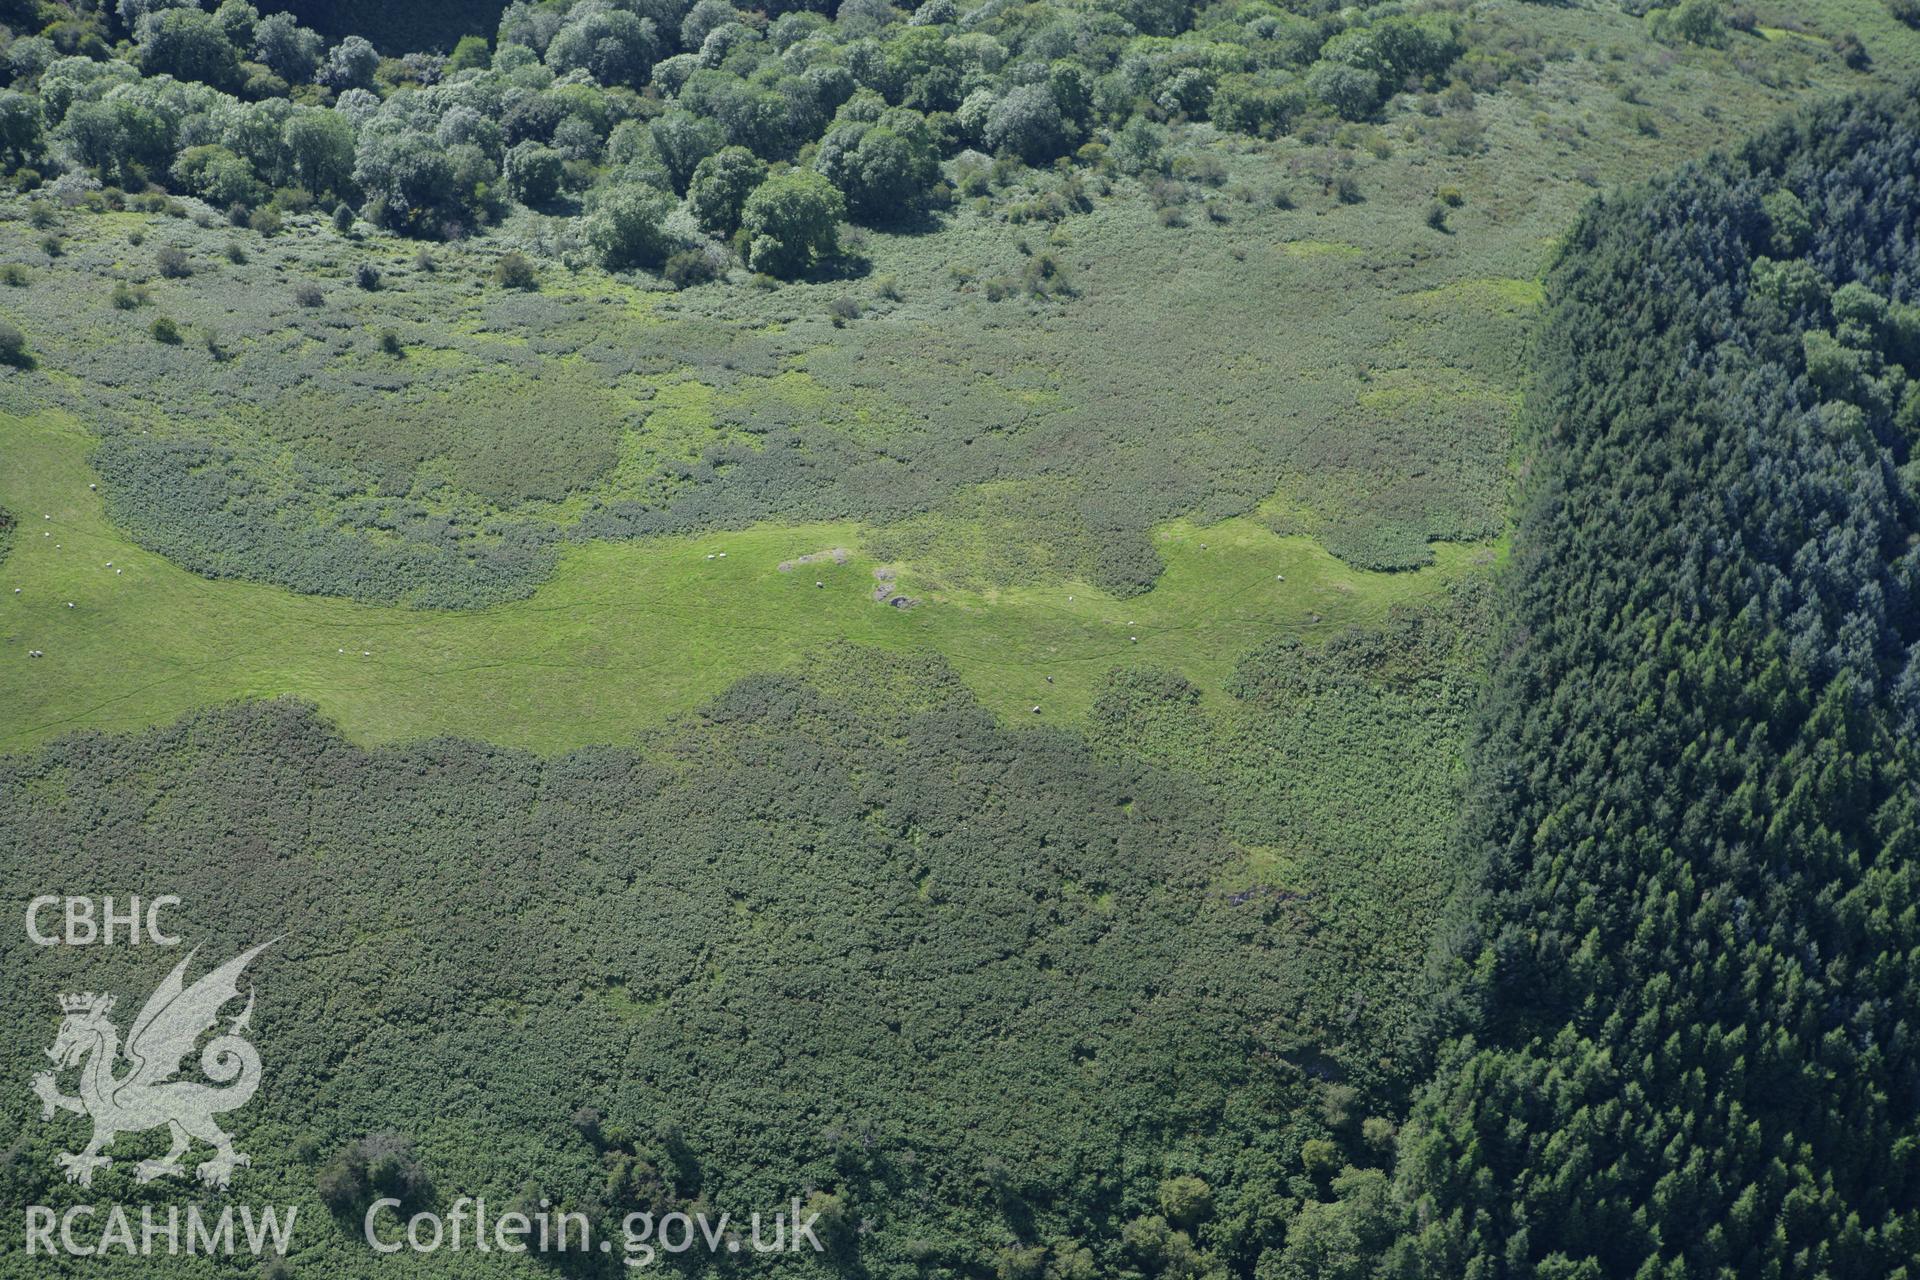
{"x":1073,"y":640}
{"x":1688,"y":980}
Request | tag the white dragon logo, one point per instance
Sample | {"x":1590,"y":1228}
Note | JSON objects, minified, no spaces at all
{"x":163,"y":1034}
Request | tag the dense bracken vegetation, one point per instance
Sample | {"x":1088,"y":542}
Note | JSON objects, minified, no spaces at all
{"x":998,"y":1002}
{"x":1690,"y":982}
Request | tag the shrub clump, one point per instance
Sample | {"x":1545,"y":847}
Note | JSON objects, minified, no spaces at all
{"x":691,"y":267}
{"x":513,"y":271}
{"x":13,"y":346}
{"x":381,"y":1164}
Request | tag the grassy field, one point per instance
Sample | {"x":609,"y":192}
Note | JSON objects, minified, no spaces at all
{"x":625,"y":634}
